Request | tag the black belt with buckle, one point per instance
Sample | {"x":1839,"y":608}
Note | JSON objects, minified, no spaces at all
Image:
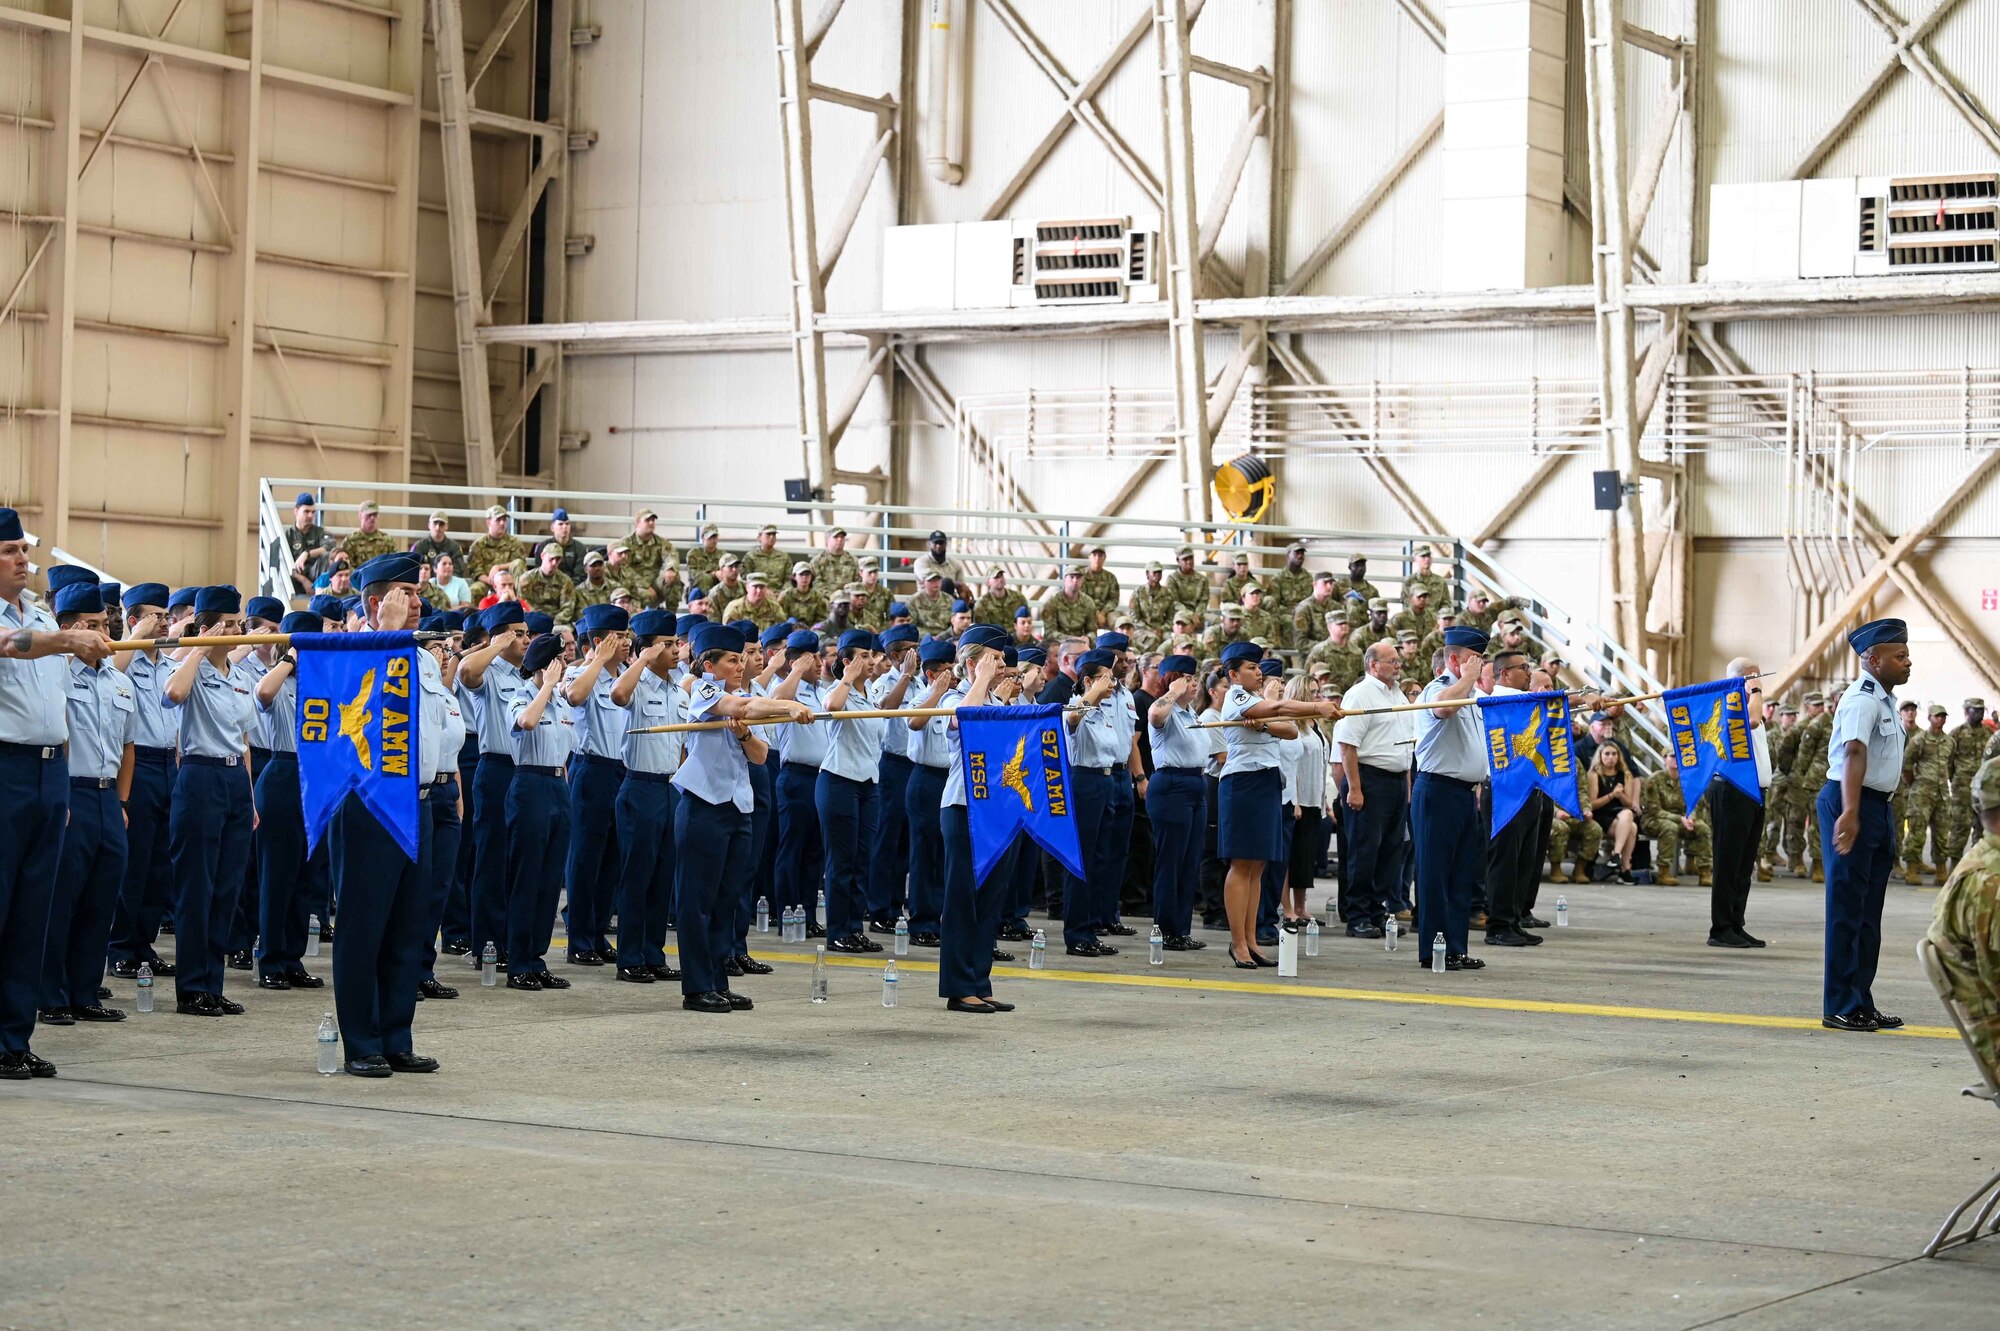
{"x":44,"y":752}
{"x":93,"y":782}
{"x":540,"y":771}
{"x":201,"y":760}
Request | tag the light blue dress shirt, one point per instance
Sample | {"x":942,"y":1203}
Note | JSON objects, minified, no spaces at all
{"x":496,"y":728}
{"x":440,"y":724}
{"x":552,"y":740}
{"x":655,"y":702}
{"x":896,"y":737}
{"x":1175,"y":745}
{"x":246,"y":675}
{"x":33,"y":694}
{"x":1250,"y":750}
{"x":102,"y":717}
{"x":1455,"y":747}
{"x":954,"y":772}
{"x":1094,"y":742}
{"x":600,"y":723}
{"x":715,"y":768}
{"x":805,"y":744}
{"x":1867,"y":712}
{"x":853,"y":748}
{"x":281,"y":717}
{"x":930,"y":746}
{"x":218,"y":716}
{"x":157,"y":729}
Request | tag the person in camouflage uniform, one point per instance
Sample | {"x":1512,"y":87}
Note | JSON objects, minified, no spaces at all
{"x":1186,"y":627}
{"x":1186,"y":586}
{"x":930,"y":609}
{"x":871,"y":600}
{"x":1965,"y":922}
{"x":1069,"y":612}
{"x":497,"y":546}
{"x":756,"y":604}
{"x":563,"y":539}
{"x":998,"y":605}
{"x":1229,"y":630}
{"x":1587,"y":832}
{"x":670,"y":591}
{"x":1433,"y":642}
{"x":369,"y":542}
{"x":1663,"y":816}
{"x":1153,"y":604}
{"x":437,"y":542}
{"x":1357,"y":579}
{"x":1377,"y":628}
{"x":1927,"y":779}
{"x":803,"y":600}
{"x":597,"y":584}
{"x":768,"y":559}
{"x":1808,"y":771}
{"x":1422,"y":576}
{"x":1099,"y":583}
{"x":1261,"y":622}
{"x":1337,"y":653}
{"x":1784,"y":746}
{"x":1232,"y":586}
{"x":1309,"y":612}
{"x":728,"y":585}
{"x":834,"y":567}
{"x":646,"y":553}
{"x":548,"y":589}
{"x":1482,"y":611}
{"x":1417,"y":617}
{"x":1143,"y":639}
{"x":1968,"y":742}
{"x":705,"y":558}
{"x":1906,"y":714}
{"x":1291,"y":584}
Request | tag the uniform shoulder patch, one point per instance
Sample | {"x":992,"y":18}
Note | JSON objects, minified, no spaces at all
{"x":709,"y":690}
{"x":1868,"y":686}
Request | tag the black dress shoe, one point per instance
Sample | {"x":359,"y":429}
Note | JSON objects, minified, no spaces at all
{"x":372,"y":1066}
{"x":999,"y":955}
{"x":815,"y":931}
{"x":456,"y":948}
{"x":230,"y":1007}
{"x":14,"y":1066}
{"x":1882,"y":1020}
{"x":1016,"y":933}
{"x":1511,"y":938}
{"x":999,"y":1006}
{"x":103,"y":993}
{"x":411,"y":1063}
{"x":125,"y":970}
{"x":198,"y":1005}
{"x":434,"y":989}
{"x":846,"y":945}
{"x":867,"y":944}
{"x":97,"y":1012}
{"x":1727,"y":939}
{"x":304,"y":979}
{"x":239,"y":961}
{"x":1364,"y":931}
{"x":37,"y":1065}
{"x":585,"y":957}
{"x":551,"y":980}
{"x":162,"y":970}
{"x":732,"y":968}
{"x":273,"y":982}
{"x":1192,"y":944}
{"x":1463,"y":962}
{"x":927,"y":940}
{"x":1267,"y":938}
{"x":751,"y":966}
{"x":1086,"y":950}
{"x":54,"y":1016}
{"x":738,"y":1002}
{"x":527,"y":980}
{"x":1238,"y":963}
{"x":1748,"y":940}
{"x":1118,"y":930}
{"x":1176,"y":943}
{"x":968,"y":1005}
{"x":665,"y":973}
{"x":1856,"y":1021}
{"x":326,"y":932}
{"x":166,"y":928}
{"x":709,"y":1002}
{"x":635,"y":975}
{"x":1533,"y":922}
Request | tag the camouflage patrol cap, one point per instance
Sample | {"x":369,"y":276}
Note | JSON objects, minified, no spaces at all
{"x":1252,"y":585}
{"x":768,"y":529}
{"x":1378,"y":605}
{"x":645,"y":513}
{"x":1788,"y":710}
{"x":617,"y":548}
{"x":1975,"y":704}
{"x":1231,"y":610}
{"x":1419,"y":590}
{"x":1447,"y":612}
{"x":1406,"y":635}
{"x":1812,"y":698}
{"x":841,"y":597}
{"x":1154,"y":566}
{"x":1121,"y":622}
{"x":1265,"y":643}
{"x":1986,"y":786}
{"x":497,"y":511}
{"x":1185,"y":552}
{"x":756,"y":580}
{"x":1094,"y":549}
{"x":1074,"y":571}
{"x":1322,"y":576}
{"x":729,"y":561}
{"x":439,"y":515}
{"x":710,"y":530}
{"x":801,"y":567}
{"x":1239,"y":559}
{"x":1938,"y":709}
{"x":1296,"y":548}
{"x":1907,"y":706}
{"x":1357,"y":558}
{"x":594,"y":557}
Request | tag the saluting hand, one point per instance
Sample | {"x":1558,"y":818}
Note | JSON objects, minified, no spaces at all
{"x":552,"y":674}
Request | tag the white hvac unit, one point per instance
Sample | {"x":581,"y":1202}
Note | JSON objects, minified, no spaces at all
{"x":1854,"y":227}
{"x":995,"y":265}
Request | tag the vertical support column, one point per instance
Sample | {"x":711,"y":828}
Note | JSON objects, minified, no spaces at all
{"x":1680,"y":264}
{"x":235,"y":478}
{"x":1264,"y":205}
{"x":907,"y":164}
{"x":64,"y":52}
{"x":1611,"y":271}
{"x":461,"y":206}
{"x":1170,"y":25}
{"x":406,"y":68}
{"x":808,"y":290}
{"x":555,"y":227}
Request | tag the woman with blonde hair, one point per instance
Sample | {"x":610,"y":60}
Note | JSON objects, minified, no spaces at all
{"x":1614,"y":803}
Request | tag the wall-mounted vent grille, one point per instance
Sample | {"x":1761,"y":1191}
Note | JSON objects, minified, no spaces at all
{"x":1940,"y":256}
{"x":1074,"y":260}
{"x":1939,"y":221}
{"x":1870,"y":238}
{"x":1055,"y":233}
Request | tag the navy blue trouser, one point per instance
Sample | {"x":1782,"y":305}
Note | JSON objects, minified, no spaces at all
{"x":1271,"y":886}
{"x":1177,"y":807}
{"x":458,"y":903}
{"x":1119,"y":811}
{"x":1027,"y":875}
{"x":209,"y":839}
{"x":971,"y":909}
{"x":847,"y":817}
{"x":289,"y":880}
{"x":243,"y":932}
{"x":447,"y":832}
{"x":1089,"y":798}
{"x":593,"y":849}
{"x":889,"y":869}
{"x":1372,"y":847}
{"x":800,"y":855}
{"x":763,"y":850}
{"x":93,"y":865}
{"x":713,"y":842}
{"x":1855,"y":885}
{"x":646,"y":803}
{"x":143,"y":897}
{"x":34,"y":804}
{"x":1448,"y":852}
{"x":921,"y":803}
{"x":489,"y":849}
{"x":378,"y":959}
{"x":537,"y":845}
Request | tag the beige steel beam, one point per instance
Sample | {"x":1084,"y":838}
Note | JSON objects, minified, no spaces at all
{"x":469,"y":301}
{"x":1904,"y":39}
{"x":236,"y":487}
{"x":1183,"y":277}
{"x":808,"y":292}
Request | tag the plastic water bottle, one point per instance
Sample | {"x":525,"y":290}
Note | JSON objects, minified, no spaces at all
{"x":1562,"y":912}
{"x":903,"y":934}
{"x":1156,"y":947}
{"x":819,"y":974}
{"x":1288,"y":952}
{"x":1312,"y":938}
{"x":763,"y":915}
{"x":889,"y":985}
{"x":798,"y":933}
{"x":145,"y":986}
{"x":1390,"y":928}
{"x":489,"y":966}
{"x":1437,"y":953}
{"x":1038,"y":950}
{"x":312,"y":935}
{"x":819,"y":907}
{"x":329,"y":1046}
{"x":1332,"y":913}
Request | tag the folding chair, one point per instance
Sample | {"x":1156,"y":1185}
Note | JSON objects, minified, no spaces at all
{"x":1989,"y":1191}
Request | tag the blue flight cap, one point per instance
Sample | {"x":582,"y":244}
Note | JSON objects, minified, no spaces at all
{"x":219,"y":600}
{"x":896,"y":634}
{"x":355,"y":605}
{"x":1876,"y":632}
{"x":775,"y":635}
{"x":182,"y":596}
{"x":1028,"y":656}
{"x":541,"y":651}
{"x":935,"y":651}
{"x":715,"y":638}
{"x":10,"y":526}
{"x":1271,"y":667}
{"x":454,"y":621}
{"x":79,"y":598}
{"x":1114,"y":642}
{"x":501,"y":615}
{"x":860,"y":638}
{"x":301,"y":621}
{"x":538,"y":623}
{"x":1022,"y":612}
{"x":961,"y":607}
{"x":1466,"y":636}
{"x":400,"y":566}
{"x":69,"y":575}
{"x":264,"y":607}
{"x":746,"y":627}
{"x":983,"y":635}
{"x":304,"y":497}
{"x":1179,"y":665}
{"x":603,"y":619}
{"x":327,"y":607}
{"x":434,"y":624}
{"x":108,"y":595}
{"x":560,"y":515}
{"x":897,"y":610}
{"x":1009,"y":657}
{"x":805,"y":640}
{"x":145,"y":593}
{"x":652,"y":624}
{"x":695,"y":593}
{"x":1237,"y":652}
{"x":685,"y":626}
{"x":1092,"y":659}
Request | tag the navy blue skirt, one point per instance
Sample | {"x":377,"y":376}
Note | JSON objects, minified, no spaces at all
{"x":1249,"y":826}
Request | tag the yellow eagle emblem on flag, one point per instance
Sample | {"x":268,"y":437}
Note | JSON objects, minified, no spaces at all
{"x":354,"y":719}
{"x":1711,"y":731}
{"x":1528,"y":744}
{"x":1014,"y":775}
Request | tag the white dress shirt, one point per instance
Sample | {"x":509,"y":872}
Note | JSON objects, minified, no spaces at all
{"x":1379,"y":741}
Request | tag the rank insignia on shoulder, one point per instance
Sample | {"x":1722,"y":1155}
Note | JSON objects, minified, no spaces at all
{"x":1868,"y":686}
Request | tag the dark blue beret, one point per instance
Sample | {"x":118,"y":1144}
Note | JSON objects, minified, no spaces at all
{"x":1092,"y":659}
{"x":805,"y":640}
{"x":860,"y":638}
{"x":935,"y":651}
{"x":961,"y":607}
{"x":1179,"y":665}
{"x":603,"y":619}
{"x":264,"y":607}
{"x":399,"y":566}
{"x":685,"y":626}
{"x":541,"y":651}
{"x":434,"y":624}
{"x":69,"y":575}
{"x":746,"y":627}
{"x":983,"y":635}
{"x":10,"y":526}
{"x":1022,"y":612}
{"x":1271,"y":666}
{"x":1114,"y":642}
{"x":182,"y":596}
{"x":108,"y":597}
{"x":1031,"y":656}
{"x":538,"y":623}
{"x":327,"y":607}
{"x":1465,"y":636}
{"x":354,"y":605}
{"x":775,"y":635}
{"x":897,"y":610}
{"x":503,"y":614}
{"x":78,"y":598}
{"x":896,"y":634}
{"x":652,"y":624}
{"x":1237,"y":652}
{"x":304,"y":497}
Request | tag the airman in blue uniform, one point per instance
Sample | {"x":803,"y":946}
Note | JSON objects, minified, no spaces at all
{"x":444,"y":799}
{"x":1444,"y":817}
{"x":847,"y":798}
{"x":930,"y":757}
{"x":971,"y":909}
{"x":889,"y":860}
{"x":801,"y":750}
{"x":596,"y":772}
{"x":148,"y":884}
{"x":538,"y":826}
{"x":488,"y":673}
{"x":289,"y":878}
{"x":646,"y":798}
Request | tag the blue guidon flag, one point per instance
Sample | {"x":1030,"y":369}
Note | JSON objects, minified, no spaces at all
{"x":1708,"y":728}
{"x":1017,"y":777}
{"x":1528,"y":749}
{"x":357,"y":718}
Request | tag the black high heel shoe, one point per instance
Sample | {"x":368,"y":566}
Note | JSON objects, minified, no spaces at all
{"x":1258,"y":958}
{"x":1241,"y":965}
